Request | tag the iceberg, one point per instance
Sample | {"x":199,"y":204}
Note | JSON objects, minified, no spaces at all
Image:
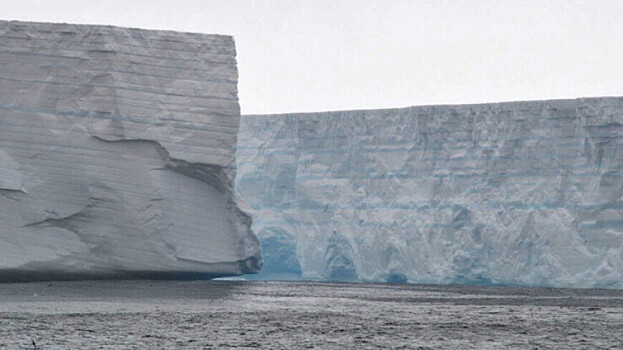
{"x":117,"y":154}
{"x":518,"y":193}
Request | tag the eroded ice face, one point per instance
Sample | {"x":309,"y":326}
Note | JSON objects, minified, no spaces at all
{"x":519,"y":193}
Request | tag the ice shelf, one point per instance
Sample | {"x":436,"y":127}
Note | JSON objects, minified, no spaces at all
{"x":520,"y":193}
{"x":117,"y":154}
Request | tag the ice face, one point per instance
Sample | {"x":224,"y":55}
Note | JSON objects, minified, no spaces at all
{"x":117,"y":154}
{"x":522,"y":193}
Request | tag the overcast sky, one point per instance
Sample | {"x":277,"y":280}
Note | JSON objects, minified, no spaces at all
{"x":319,"y":55}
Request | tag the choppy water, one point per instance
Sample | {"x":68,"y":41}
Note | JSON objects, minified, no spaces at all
{"x":293,"y":315}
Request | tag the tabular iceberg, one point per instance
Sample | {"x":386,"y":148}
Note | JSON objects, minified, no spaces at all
{"x":526,"y":193}
{"x":117,"y":154}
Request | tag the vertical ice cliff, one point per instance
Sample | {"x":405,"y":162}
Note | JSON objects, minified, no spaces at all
{"x":526,"y":193}
{"x":117,"y":154}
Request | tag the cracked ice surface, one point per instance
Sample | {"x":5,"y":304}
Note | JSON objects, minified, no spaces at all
{"x":117,"y":154}
{"x":526,"y":193}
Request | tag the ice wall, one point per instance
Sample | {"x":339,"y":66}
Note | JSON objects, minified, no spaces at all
{"x":117,"y":154}
{"x":525,"y":193}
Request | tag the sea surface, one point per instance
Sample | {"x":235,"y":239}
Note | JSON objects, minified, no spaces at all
{"x":304,"y":315}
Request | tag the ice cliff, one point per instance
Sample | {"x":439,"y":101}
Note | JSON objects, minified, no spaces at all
{"x":527,"y":193}
{"x":117,"y":154}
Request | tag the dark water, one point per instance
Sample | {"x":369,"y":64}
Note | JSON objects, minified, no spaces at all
{"x":295,"y":315}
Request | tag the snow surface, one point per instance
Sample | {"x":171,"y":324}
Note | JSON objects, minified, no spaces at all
{"x":526,"y":193}
{"x":117,"y":154}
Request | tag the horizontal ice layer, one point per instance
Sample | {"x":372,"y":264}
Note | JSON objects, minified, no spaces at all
{"x":523,"y":193}
{"x":117,"y":154}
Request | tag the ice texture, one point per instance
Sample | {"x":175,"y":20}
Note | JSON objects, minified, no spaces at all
{"x":117,"y":154}
{"x":519,"y":193}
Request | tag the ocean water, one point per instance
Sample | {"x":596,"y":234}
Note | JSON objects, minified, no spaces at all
{"x":304,"y":315}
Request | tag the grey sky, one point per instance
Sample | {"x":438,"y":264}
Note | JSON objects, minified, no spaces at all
{"x":347,"y":54}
